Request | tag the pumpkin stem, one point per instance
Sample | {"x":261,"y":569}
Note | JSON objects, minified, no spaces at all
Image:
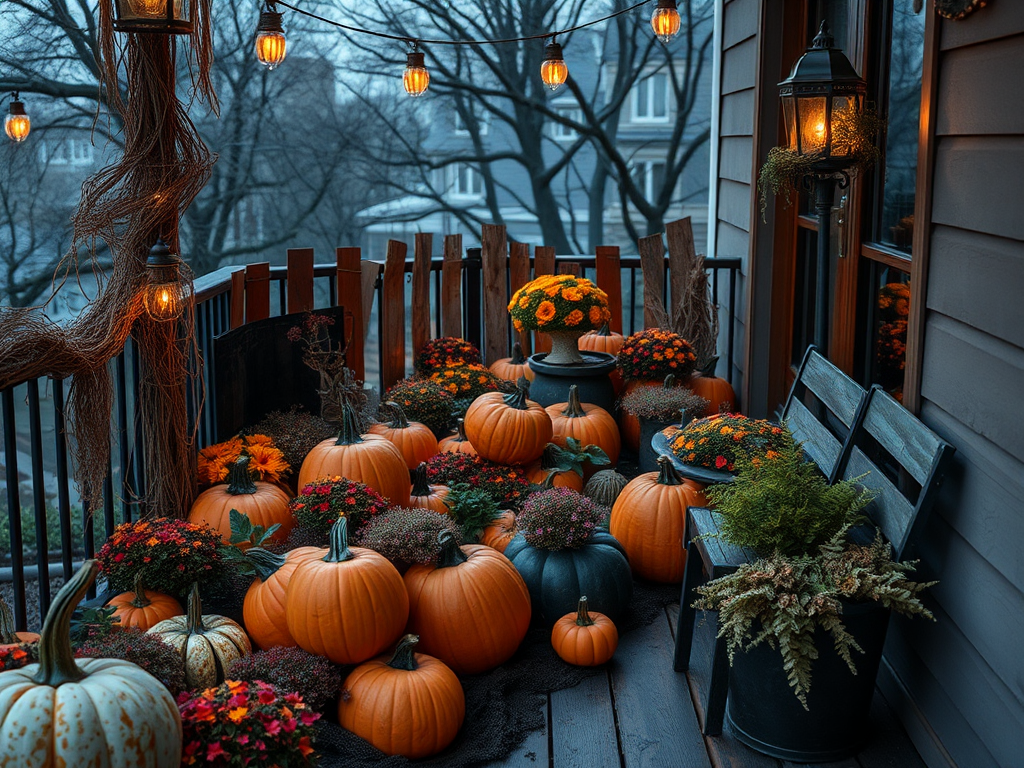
{"x":239,"y":480}
{"x":582,"y":614}
{"x":405,"y":654}
{"x":399,"y":420}
{"x":7,"y":632}
{"x":670,"y":381}
{"x":195,"y":611}
{"x":708,"y":369}
{"x":339,"y":551}
{"x":605,"y":330}
{"x":460,"y":427}
{"x":667,"y":474}
{"x":574,"y":408}
{"x":56,"y":659}
{"x":420,"y":484}
{"x":451,"y":553}
{"x":349,"y":427}
{"x":140,"y":600}
{"x":518,"y":356}
{"x":549,"y":481}
{"x":263,"y":562}
{"x":518,"y":399}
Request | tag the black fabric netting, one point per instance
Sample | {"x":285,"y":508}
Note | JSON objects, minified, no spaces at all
{"x":502,"y":706}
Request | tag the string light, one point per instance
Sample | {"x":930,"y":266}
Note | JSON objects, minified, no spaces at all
{"x":17,"y":124}
{"x":665,"y":20}
{"x":416,"y":78}
{"x":271,"y":45}
{"x":553,"y":70}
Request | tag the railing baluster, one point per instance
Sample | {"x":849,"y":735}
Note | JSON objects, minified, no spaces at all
{"x":138,"y":468}
{"x":88,"y":532}
{"x":124,"y":457}
{"x":63,"y":501}
{"x":632,"y":301}
{"x":472,"y":325}
{"x":14,"y":509}
{"x":39,"y":495}
{"x":108,"y":505}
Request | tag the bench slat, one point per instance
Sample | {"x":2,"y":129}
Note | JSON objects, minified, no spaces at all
{"x":897,"y":430}
{"x":724,"y":557}
{"x":820,"y":445}
{"x":890,"y":510}
{"x":834,"y":388}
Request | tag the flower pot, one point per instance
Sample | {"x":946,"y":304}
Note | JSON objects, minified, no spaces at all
{"x":551,"y":381}
{"x":766,"y":715}
{"x":647,"y":455}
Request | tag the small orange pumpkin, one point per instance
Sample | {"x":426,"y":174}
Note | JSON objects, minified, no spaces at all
{"x":649,"y":520}
{"x":458,"y":442}
{"x":144,"y":608}
{"x":602,"y":340}
{"x":370,"y":459}
{"x":590,"y":424}
{"x":8,"y":637}
{"x":412,"y":705}
{"x":511,"y":368}
{"x":508,"y":429}
{"x":500,"y":531}
{"x":425,"y":495}
{"x":716,"y":390}
{"x":550,"y":477}
{"x":263,"y":610}
{"x":263,"y":503}
{"x":416,"y":441}
{"x":583,"y":638}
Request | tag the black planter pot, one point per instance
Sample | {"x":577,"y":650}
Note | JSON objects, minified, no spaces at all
{"x":766,"y":715}
{"x":647,"y":457}
{"x":551,"y":383}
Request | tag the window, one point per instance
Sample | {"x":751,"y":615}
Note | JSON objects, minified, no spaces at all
{"x":67,"y":152}
{"x":461,"y":129}
{"x":649,"y":177}
{"x":467,"y":181}
{"x":564,"y":132}
{"x":650,"y":99}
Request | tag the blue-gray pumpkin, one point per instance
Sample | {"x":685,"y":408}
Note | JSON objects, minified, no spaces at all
{"x":556,"y":579}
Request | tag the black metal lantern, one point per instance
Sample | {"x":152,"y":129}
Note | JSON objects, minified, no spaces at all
{"x":169,"y":17}
{"x":821,"y":101}
{"x":165,"y":294}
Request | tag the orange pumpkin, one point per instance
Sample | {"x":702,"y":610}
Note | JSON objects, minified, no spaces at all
{"x":144,"y":608}
{"x":500,"y":531}
{"x":583,"y":638}
{"x":8,"y":637}
{"x":370,"y":459}
{"x":511,"y":368}
{"x":508,"y":429}
{"x":416,"y":441}
{"x":263,"y":610}
{"x":425,"y":495}
{"x":716,"y":390}
{"x":458,"y":442}
{"x":603,"y":340}
{"x":590,"y":424}
{"x":349,"y":605}
{"x":629,"y":425}
{"x":412,"y":705}
{"x":263,"y":503}
{"x":550,"y":477}
{"x":649,"y":520}
{"x":471,"y":610}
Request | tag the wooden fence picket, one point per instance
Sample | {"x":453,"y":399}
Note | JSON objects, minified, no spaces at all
{"x":682,"y":256}
{"x":421,"y":291}
{"x":451,"y":287}
{"x":543,"y":264}
{"x":348,"y":276}
{"x":257,"y":291}
{"x":300,"y":281}
{"x":392,"y":356}
{"x":652,"y":260}
{"x":494,"y":256}
{"x":519,"y":275}
{"x":609,"y":280}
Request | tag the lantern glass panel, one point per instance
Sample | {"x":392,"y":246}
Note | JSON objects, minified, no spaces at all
{"x":789,"y":114}
{"x":150,"y":13}
{"x":813,"y":128}
{"x":845,"y":110}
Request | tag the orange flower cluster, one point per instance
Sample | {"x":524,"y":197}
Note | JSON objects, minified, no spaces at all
{"x":466,"y":381}
{"x":266,"y":461}
{"x":715,"y":441}
{"x":891,"y":336}
{"x":655,"y":353}
{"x":559,"y":303}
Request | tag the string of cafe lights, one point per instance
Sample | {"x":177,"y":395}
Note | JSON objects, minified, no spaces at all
{"x":271,"y":45}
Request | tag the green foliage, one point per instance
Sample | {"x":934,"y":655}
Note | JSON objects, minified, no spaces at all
{"x":28,"y":530}
{"x":471,"y":508}
{"x":243,"y":531}
{"x":93,"y":623}
{"x":781,"y":503}
{"x":782,"y":601}
{"x":573,"y":456}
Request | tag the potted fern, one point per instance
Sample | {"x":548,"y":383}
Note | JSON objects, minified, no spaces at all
{"x":814,"y":607}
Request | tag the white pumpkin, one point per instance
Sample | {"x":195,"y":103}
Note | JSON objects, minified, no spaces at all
{"x":208,"y":644}
{"x":68,"y":712}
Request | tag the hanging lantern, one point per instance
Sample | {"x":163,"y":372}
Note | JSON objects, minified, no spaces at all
{"x":165,"y":294}
{"x":169,"y":17}
{"x":822,"y":100}
{"x":17,"y":124}
{"x":553,"y":70}
{"x":270,"y":41}
{"x":665,"y":20}
{"x":416,"y":77}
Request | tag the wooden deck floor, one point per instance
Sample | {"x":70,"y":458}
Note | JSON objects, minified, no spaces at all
{"x":640,"y":714}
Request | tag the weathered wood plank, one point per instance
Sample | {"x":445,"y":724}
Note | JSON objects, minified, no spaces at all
{"x":370,"y":274}
{"x":494,"y":254}
{"x":519,"y":275}
{"x":300,"y":280}
{"x":451,"y":287}
{"x":657,"y":725}
{"x":902,"y":434}
{"x":257,"y":291}
{"x":570,"y":268}
{"x":971,"y":78}
{"x":583,"y":725}
{"x":609,"y":280}
{"x":392,"y":348}
{"x":532,"y":753}
{"x":831,"y":386}
{"x":652,"y":259}
{"x":421,"y":290}
{"x":818,"y":443}
{"x":682,"y":257}
{"x":349,"y":291}
{"x":543,"y":264}
{"x":237,"y":309}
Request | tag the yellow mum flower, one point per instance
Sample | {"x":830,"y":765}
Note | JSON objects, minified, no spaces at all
{"x":524,"y":302}
{"x":545,"y":312}
{"x":553,"y":290}
{"x":571,"y":294}
{"x":595,"y":315}
{"x":574,"y":318}
{"x":517,"y":324}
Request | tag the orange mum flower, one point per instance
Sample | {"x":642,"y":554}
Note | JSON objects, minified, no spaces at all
{"x":596,"y":316}
{"x":267,"y":462}
{"x":574,"y":318}
{"x":546,"y":311}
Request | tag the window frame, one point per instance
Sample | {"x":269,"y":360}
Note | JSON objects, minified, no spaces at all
{"x":471,"y":173}
{"x":634,"y":100}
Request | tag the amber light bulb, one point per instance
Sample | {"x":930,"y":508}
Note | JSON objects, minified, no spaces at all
{"x":665,"y":20}
{"x":271,"y":45}
{"x":17,"y":124}
{"x":416,"y":78}
{"x":553,"y":70}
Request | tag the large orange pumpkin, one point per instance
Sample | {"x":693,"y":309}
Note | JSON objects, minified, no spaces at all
{"x":457,"y":442}
{"x":263,"y":503}
{"x":500,"y":531}
{"x":583,"y":638}
{"x":471,"y":610}
{"x":425,"y":495}
{"x":263,"y":610}
{"x":508,"y":429}
{"x":511,"y":368}
{"x":716,"y":390}
{"x":590,"y":424}
{"x":349,"y":605}
{"x":416,"y":441}
{"x":370,"y":459}
{"x":412,"y":705}
{"x":8,"y":637}
{"x":144,"y":608}
{"x":649,"y":520}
